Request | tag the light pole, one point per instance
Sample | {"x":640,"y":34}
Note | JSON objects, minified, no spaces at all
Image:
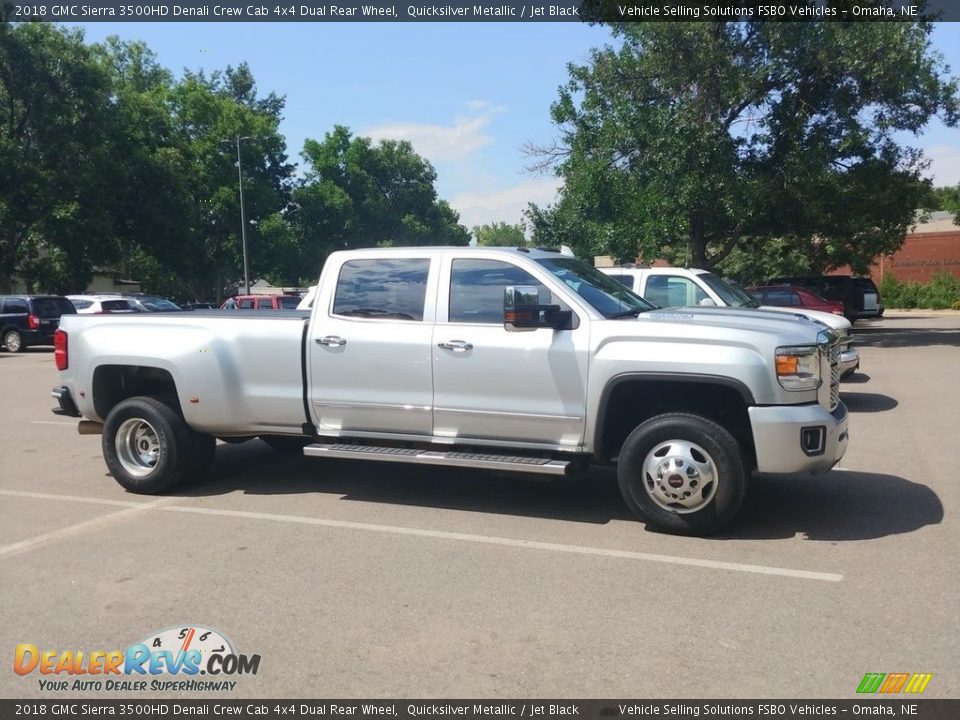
{"x":243,"y":217}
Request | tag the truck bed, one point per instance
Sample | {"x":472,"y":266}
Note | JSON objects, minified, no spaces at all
{"x":236,"y":373}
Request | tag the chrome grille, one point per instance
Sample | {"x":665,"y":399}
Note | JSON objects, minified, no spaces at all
{"x":834,"y":354}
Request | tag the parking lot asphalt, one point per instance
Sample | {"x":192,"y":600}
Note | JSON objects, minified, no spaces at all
{"x":352,"y":579}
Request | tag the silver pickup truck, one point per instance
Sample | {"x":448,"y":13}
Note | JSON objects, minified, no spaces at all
{"x":511,"y":359}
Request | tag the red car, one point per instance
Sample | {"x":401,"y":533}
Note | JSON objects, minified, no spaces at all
{"x":262,"y":302}
{"x":791,"y":296}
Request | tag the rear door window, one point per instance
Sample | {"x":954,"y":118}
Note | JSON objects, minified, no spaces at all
{"x":382,"y":288}
{"x":15,"y":306}
{"x":265,"y":304}
{"x":116,"y":306}
{"x":53,"y":307}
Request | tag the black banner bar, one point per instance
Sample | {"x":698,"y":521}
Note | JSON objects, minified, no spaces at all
{"x":479,"y":10}
{"x":898,"y":707}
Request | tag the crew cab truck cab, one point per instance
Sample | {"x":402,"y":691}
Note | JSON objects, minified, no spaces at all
{"x":670,"y":287}
{"x":513,"y":359}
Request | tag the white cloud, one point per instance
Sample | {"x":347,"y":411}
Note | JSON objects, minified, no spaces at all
{"x":504,"y":204}
{"x":440,"y":143}
{"x":944,"y":164}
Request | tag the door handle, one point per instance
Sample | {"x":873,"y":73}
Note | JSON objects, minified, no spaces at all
{"x":331,"y":340}
{"x":456,"y":345}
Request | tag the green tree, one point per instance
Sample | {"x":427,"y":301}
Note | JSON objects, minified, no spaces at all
{"x":209,"y":114}
{"x":500,"y":234}
{"x":54,"y":122}
{"x":691,"y":139}
{"x":943,"y":198}
{"x":357,"y":194}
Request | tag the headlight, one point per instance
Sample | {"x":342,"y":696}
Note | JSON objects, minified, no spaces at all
{"x":798,"y":368}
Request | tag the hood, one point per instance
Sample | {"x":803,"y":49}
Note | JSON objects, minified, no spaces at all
{"x":835,"y":322}
{"x":790,"y":328}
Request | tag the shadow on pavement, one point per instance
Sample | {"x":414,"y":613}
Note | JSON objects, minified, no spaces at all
{"x":867,"y":402}
{"x":858,"y":378}
{"x":906,"y":337}
{"x":841,"y":505}
{"x":256,"y":470}
{"x":836,"y":506}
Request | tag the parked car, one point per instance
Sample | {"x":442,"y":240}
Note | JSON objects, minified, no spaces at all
{"x":872,"y":302}
{"x":796,"y":297}
{"x":673,"y":287}
{"x":151,"y":303}
{"x":831,"y":287}
{"x":27,"y":320}
{"x":262,"y":302}
{"x":97,"y":305}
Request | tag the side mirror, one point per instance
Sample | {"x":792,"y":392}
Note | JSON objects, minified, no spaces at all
{"x":522,"y":310}
{"x":707,"y":302}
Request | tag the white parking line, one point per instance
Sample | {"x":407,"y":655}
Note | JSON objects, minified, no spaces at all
{"x":435,"y":534}
{"x":71,"y":530}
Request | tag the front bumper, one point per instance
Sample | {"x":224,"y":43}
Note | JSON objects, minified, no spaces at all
{"x":849,"y":362}
{"x":779,"y":433}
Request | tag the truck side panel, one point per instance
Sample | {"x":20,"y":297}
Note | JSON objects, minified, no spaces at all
{"x":232,"y":375}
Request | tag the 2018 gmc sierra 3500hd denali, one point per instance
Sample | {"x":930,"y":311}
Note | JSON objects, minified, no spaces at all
{"x":513,"y":359}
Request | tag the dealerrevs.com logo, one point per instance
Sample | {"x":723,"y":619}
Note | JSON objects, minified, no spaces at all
{"x":172,"y":659}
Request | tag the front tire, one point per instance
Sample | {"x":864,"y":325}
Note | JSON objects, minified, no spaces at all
{"x":147,"y":446}
{"x":682,"y":474}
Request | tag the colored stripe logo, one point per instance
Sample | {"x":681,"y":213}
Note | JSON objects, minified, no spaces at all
{"x":894,"y":683}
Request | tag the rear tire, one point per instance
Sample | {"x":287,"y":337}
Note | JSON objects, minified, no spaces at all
{"x":147,"y":446}
{"x":13,"y":341}
{"x":682,"y":474}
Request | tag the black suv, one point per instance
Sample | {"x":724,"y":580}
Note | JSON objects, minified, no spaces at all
{"x":27,"y":320}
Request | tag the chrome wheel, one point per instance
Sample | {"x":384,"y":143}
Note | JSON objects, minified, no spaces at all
{"x":138,"y":447}
{"x":680,"y":476}
{"x":13,"y":341}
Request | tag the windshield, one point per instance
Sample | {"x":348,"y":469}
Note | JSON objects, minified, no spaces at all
{"x":731,"y":293}
{"x":610,"y":297}
{"x":153,"y":303}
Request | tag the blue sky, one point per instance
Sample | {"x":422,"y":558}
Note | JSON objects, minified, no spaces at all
{"x":467,"y":95}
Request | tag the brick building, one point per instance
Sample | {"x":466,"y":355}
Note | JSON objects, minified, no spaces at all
{"x":933,"y":247}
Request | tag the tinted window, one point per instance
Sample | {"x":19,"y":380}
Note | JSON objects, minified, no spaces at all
{"x":289,"y":303}
{"x":81,"y":304}
{"x":477,"y":286}
{"x":265,"y":303}
{"x":781,"y":298}
{"x":116,"y":306}
{"x":157,"y":304}
{"x":15,"y":307}
{"x":623,"y":279}
{"x":53,"y":307}
{"x":245,"y":305}
{"x":672,"y":291}
{"x":382,"y":288}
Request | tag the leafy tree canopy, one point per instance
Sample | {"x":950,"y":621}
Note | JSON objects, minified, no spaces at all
{"x":500,"y":234}
{"x":689,"y":140}
{"x":359,"y":194}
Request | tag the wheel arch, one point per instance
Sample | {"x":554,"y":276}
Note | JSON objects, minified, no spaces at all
{"x":112,"y":384}
{"x":631,"y":398}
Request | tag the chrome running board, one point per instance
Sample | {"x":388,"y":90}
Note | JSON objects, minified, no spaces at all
{"x":515,"y":463}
